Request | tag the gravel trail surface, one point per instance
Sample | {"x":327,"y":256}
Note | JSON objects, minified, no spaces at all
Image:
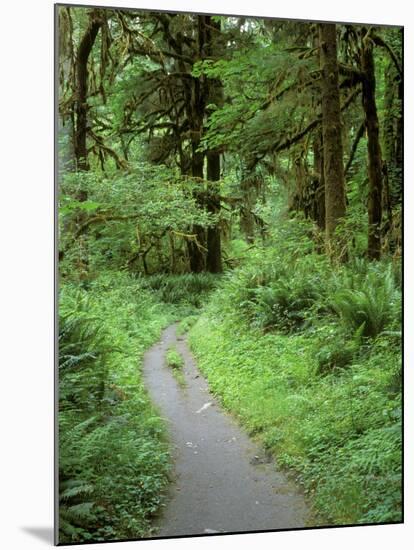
{"x":223,"y":481}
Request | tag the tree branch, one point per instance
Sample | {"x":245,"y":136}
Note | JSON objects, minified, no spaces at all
{"x":358,"y":136}
{"x":290,"y":141}
{"x":120,"y":162}
{"x":102,"y":218}
{"x":380,"y":42}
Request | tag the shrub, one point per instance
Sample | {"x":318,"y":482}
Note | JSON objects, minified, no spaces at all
{"x":84,"y":353}
{"x":278,"y":291}
{"x":186,"y":323}
{"x":176,"y":362}
{"x":334,"y":356}
{"x":113,"y":458}
{"x":174,"y":359}
{"x":340,"y":433}
{"x":191,"y":289}
{"x":285,"y":303}
{"x":368,"y":301}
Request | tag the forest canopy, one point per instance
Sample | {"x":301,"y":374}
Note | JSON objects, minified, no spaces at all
{"x":226,"y":109}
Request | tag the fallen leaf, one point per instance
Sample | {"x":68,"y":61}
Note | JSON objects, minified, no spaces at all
{"x":204,"y":407}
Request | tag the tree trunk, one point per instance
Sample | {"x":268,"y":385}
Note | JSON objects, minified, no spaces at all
{"x":318,"y":168}
{"x":195,"y":247}
{"x":81,"y":124}
{"x":215,"y":96}
{"x":392,"y":129}
{"x":398,"y":194}
{"x":390,"y":181}
{"x":248,"y":187}
{"x":213,"y":259}
{"x":81,"y":106}
{"x":389,"y":126}
{"x":195,"y":109}
{"x":374,"y":151}
{"x":335,"y":206}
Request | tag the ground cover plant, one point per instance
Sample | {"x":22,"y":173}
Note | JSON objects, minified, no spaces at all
{"x":322,"y":394}
{"x":114,"y":458}
{"x":176,"y":362}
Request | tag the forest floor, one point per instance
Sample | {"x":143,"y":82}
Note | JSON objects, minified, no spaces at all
{"x":222,"y":481}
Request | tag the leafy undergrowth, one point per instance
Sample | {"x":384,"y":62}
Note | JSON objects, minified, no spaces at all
{"x":187,"y":292}
{"x":113,"y":453}
{"x":311,"y":364}
{"x":114,"y":460}
{"x":176,"y":363}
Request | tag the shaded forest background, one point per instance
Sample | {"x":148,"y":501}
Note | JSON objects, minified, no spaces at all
{"x":244,"y":176}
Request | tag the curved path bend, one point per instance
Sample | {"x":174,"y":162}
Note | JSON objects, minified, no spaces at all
{"x":222,"y":480}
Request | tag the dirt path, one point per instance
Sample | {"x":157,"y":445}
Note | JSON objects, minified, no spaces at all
{"x":223,"y":481}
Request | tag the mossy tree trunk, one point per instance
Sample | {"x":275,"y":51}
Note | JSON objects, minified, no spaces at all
{"x":81,"y":124}
{"x":215,"y":96}
{"x":374,"y":150}
{"x":335,"y":205}
{"x":319,"y":181}
{"x":249,"y":190}
{"x":195,"y":246}
{"x":81,"y":93}
{"x":392,"y":132}
{"x":195,"y":109}
{"x":213,"y":259}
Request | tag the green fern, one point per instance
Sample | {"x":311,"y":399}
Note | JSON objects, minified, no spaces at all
{"x":108,"y":431}
{"x":75,"y":488}
{"x":188,"y":288}
{"x":372,"y":307}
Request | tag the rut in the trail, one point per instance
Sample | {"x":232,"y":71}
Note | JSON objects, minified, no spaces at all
{"x":223,"y":481}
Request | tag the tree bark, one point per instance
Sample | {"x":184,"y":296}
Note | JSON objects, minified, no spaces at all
{"x":374,"y":150}
{"x":392,"y":132}
{"x":398,"y":196}
{"x":195,"y":109}
{"x":215,"y":96}
{"x":195,"y":247}
{"x":81,"y":122}
{"x":81,"y":106}
{"x":389,"y":126}
{"x":335,"y":205}
{"x":318,"y":168}
{"x":248,"y":187}
{"x":213,"y":259}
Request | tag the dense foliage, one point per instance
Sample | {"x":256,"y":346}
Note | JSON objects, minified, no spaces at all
{"x":317,"y":378}
{"x":113,"y":460}
{"x":243,"y":176}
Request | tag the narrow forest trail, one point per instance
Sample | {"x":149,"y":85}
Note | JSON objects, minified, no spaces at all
{"x":222,"y":480}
